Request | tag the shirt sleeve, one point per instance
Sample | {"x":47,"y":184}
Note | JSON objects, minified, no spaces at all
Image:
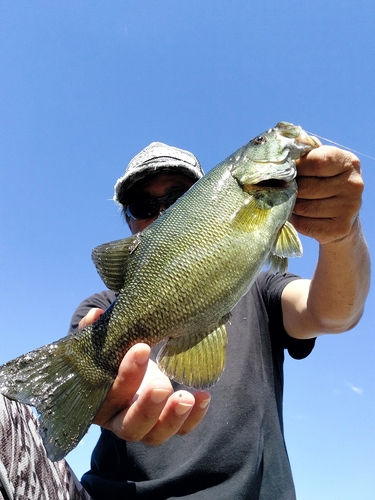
{"x":102,"y":300}
{"x":272,"y":286}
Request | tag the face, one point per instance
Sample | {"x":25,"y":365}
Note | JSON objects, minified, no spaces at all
{"x":156,"y":186}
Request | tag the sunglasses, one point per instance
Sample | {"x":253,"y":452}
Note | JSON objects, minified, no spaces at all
{"x":146,"y":208}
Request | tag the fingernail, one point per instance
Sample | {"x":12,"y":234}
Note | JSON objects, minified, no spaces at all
{"x":159,"y":395}
{"x":203,"y":404}
{"x":141,"y":357}
{"x":182,"y":408}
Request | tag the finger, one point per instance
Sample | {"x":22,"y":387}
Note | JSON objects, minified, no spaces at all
{"x":199,"y":410}
{"x":153,"y":371}
{"x":323,"y":230}
{"x":182,"y":413}
{"x":134,"y":423}
{"x":90,"y":317}
{"x":338,"y":207}
{"x":327,"y":161}
{"x":172,"y":417}
{"x":348,"y":183}
{"x":129,"y":377}
{"x":318,"y":187}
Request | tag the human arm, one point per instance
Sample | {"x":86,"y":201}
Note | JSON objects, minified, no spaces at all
{"x":141,"y":404}
{"x":330,"y":189}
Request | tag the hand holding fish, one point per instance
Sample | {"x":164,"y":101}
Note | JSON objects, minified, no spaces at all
{"x":329,"y":196}
{"x":141,"y":404}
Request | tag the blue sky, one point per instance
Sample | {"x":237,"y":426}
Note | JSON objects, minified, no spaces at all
{"x":85,"y":85}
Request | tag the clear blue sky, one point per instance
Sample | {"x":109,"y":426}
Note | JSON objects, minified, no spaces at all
{"x":86,"y":84}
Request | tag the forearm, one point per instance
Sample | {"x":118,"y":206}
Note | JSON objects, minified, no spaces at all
{"x":340,"y":284}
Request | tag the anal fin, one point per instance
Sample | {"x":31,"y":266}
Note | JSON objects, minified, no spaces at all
{"x":195,"y":360}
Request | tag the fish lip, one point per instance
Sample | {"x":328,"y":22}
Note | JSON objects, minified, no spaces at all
{"x":308,"y":140}
{"x":274,"y":178}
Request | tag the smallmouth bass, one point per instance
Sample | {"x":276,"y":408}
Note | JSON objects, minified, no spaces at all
{"x":177,"y":280}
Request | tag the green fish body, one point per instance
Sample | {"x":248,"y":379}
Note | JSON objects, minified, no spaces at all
{"x":177,"y":281}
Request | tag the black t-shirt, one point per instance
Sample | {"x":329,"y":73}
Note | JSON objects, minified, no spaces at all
{"x":238,"y":450}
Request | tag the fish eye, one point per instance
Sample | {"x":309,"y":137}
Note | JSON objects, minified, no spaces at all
{"x":261,"y":139}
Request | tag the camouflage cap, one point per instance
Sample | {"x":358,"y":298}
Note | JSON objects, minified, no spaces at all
{"x":155,"y":158}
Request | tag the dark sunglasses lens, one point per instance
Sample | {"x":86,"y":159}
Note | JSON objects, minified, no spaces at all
{"x":143,"y":209}
{"x":149,"y":207}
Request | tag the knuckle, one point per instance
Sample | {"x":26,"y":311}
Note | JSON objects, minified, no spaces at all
{"x":183,"y":431}
{"x":118,"y":428}
{"x":307,"y":207}
{"x":308,"y":227}
{"x":129,"y":436}
{"x":152,"y":440}
{"x":356,"y":164}
{"x":342,"y":228}
{"x":356,"y":184}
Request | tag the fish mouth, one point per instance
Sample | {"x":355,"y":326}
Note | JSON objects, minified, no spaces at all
{"x":274,"y":184}
{"x":302,"y":140}
{"x":298,"y":134}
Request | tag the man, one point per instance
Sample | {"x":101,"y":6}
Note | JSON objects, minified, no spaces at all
{"x":238,"y":449}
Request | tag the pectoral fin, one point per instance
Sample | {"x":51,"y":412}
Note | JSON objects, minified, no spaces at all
{"x":111,"y":260}
{"x":287,"y":245}
{"x":251,"y":215}
{"x":195,"y":360}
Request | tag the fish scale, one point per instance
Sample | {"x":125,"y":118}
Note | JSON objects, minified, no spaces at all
{"x":177,"y":282}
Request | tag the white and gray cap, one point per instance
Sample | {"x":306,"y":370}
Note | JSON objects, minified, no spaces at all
{"x":156,"y":158}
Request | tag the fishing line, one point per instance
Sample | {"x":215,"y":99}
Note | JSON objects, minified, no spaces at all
{"x":341,"y":145}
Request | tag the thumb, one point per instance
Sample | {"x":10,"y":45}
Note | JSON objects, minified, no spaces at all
{"x":90,"y":317}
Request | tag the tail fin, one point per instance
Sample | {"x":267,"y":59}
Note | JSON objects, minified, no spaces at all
{"x":67,"y":396}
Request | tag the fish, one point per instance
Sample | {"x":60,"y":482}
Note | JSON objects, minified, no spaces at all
{"x":177,"y":282}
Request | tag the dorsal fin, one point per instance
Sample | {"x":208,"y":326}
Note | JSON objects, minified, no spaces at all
{"x":111,"y":260}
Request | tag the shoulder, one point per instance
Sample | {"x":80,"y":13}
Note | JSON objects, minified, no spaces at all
{"x":271,"y":285}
